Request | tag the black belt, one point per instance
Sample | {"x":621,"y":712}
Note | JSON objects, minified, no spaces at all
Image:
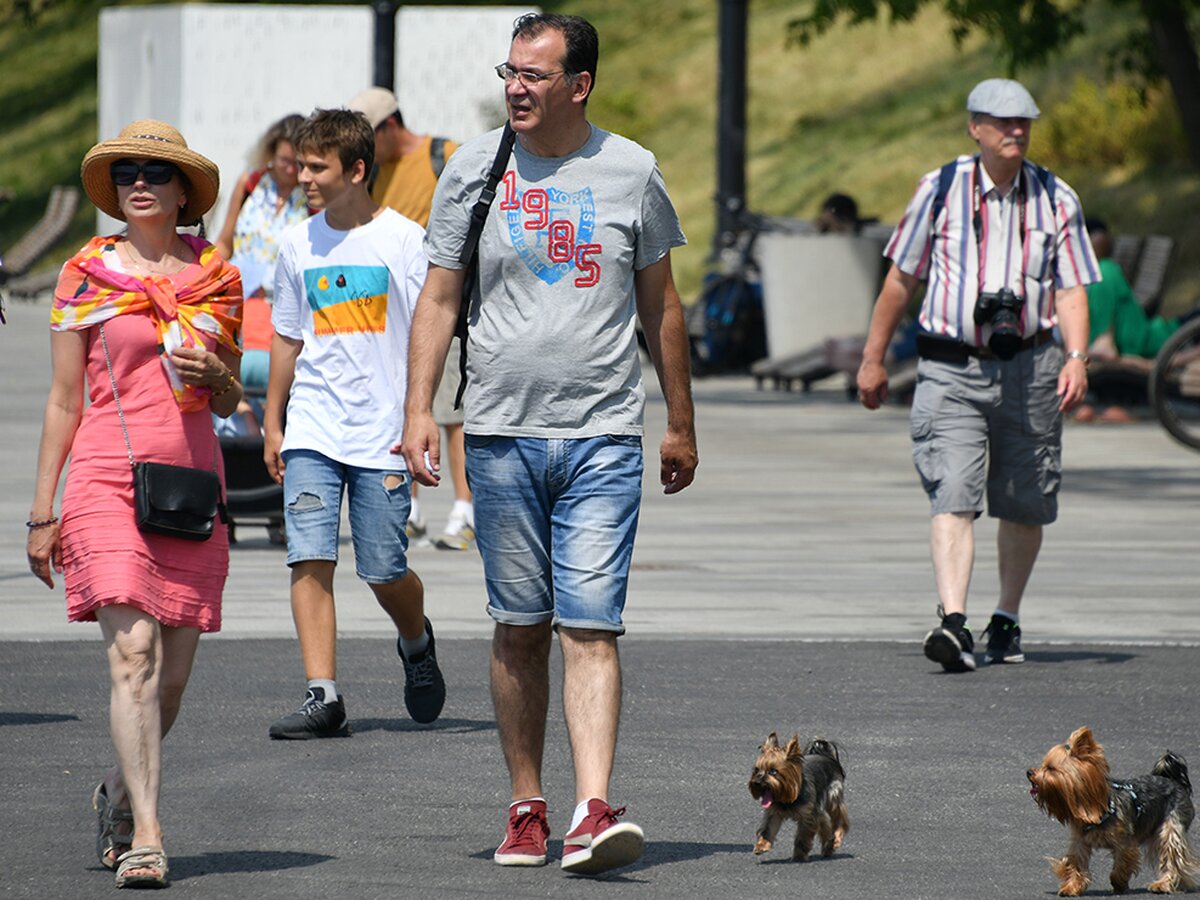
{"x":942,"y":349}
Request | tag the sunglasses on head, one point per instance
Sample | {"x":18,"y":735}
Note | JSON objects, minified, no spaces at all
{"x":125,"y":172}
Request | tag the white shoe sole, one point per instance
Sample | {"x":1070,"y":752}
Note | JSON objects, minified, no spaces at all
{"x":619,"y":846}
{"x":518,"y":859}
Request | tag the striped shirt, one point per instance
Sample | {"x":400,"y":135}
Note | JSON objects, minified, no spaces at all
{"x":1052,"y":252}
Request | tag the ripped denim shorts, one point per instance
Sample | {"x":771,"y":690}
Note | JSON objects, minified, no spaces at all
{"x":379,"y":500}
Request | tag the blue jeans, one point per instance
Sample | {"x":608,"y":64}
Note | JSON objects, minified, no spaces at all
{"x":313,"y":485}
{"x":555,"y":521}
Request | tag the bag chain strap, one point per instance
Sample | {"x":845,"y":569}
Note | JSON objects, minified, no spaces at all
{"x":116,"y":396}
{"x":117,"y":399}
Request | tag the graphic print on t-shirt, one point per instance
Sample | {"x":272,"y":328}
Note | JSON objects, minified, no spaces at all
{"x":347,"y":299}
{"x":551,"y":231}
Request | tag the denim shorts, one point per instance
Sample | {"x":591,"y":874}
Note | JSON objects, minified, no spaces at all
{"x":555,"y":521}
{"x":313,"y":485}
{"x":991,"y":427}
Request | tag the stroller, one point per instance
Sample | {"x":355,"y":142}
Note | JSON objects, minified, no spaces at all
{"x":251,"y":495}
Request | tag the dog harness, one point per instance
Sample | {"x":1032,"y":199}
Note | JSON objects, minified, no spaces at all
{"x":1112,"y":807}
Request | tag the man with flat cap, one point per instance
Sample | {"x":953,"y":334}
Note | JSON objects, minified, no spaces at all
{"x":1002,"y":246}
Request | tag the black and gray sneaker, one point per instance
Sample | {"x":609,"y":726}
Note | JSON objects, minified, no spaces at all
{"x":424,"y":688}
{"x":314,"y":719}
{"x":951,"y":643}
{"x":1003,"y":642}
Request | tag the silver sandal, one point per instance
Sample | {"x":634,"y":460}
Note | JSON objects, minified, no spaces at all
{"x":109,"y":844}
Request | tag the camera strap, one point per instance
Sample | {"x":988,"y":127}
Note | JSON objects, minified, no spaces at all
{"x":977,"y":224}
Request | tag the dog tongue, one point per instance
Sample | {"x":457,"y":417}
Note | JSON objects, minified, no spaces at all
{"x":767,"y":800}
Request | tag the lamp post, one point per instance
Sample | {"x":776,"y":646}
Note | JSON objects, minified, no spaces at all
{"x":731,"y":120}
{"x":385,"y":44}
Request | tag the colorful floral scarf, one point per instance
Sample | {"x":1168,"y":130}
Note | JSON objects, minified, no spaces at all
{"x":205,"y":297}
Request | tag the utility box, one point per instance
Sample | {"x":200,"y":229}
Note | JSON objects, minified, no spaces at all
{"x":223,"y":72}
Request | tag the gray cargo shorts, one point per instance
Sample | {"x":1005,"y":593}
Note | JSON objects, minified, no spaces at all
{"x":993,"y":424}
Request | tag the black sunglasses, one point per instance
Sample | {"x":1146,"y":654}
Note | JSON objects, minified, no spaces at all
{"x":125,"y":172}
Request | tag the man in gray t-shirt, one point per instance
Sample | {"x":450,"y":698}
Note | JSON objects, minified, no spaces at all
{"x":576,"y":247}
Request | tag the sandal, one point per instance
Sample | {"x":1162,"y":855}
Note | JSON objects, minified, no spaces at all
{"x":151,"y":863}
{"x":109,"y":844}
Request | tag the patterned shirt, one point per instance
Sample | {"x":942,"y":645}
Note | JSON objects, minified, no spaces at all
{"x":1032,"y":254}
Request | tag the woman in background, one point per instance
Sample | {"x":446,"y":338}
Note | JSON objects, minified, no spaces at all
{"x":266,"y":202}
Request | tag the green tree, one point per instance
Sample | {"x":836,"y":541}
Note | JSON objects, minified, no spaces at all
{"x":1161,"y":46}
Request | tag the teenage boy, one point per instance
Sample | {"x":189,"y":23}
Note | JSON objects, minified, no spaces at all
{"x":346,"y":284}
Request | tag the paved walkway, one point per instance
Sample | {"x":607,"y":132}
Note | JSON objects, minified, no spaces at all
{"x":806,"y":524}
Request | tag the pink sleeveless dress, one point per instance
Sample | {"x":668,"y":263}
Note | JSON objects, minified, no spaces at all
{"x":106,"y":560}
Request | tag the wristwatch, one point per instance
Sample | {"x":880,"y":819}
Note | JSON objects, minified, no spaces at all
{"x":1081,"y":356}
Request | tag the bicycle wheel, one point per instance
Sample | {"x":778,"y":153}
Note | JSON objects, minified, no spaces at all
{"x":1175,"y":385}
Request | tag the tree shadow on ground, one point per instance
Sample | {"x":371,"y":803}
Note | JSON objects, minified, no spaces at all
{"x":1104,"y":657}
{"x":450,"y":726}
{"x":183,"y":867}
{"x":28,"y":718}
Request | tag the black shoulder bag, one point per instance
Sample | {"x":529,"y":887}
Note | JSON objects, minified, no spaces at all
{"x":469,"y":257}
{"x":177,"y":501}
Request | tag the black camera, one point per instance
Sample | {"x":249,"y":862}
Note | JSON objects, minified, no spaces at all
{"x":1002,"y":310}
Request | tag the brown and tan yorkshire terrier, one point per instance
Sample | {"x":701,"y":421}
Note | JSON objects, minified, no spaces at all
{"x":1073,"y":786}
{"x":807,"y":787}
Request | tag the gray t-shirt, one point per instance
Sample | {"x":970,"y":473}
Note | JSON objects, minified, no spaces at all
{"x":552,"y":349}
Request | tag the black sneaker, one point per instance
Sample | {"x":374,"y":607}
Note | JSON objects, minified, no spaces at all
{"x":951,"y":644}
{"x":424,"y":689}
{"x":1003,"y":642}
{"x":314,"y":719}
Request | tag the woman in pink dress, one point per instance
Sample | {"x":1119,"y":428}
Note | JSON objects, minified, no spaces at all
{"x":146,"y":323}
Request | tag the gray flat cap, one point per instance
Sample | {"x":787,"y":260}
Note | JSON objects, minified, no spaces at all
{"x":1002,"y":98}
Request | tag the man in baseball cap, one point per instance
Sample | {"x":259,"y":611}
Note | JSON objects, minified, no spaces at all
{"x":1002,"y":245}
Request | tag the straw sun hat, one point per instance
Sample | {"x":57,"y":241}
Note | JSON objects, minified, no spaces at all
{"x":150,"y":139}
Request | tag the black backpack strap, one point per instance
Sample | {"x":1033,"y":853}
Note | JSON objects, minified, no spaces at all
{"x":945,"y":179}
{"x":469,"y":257}
{"x":1046,"y":177}
{"x":437,"y":155}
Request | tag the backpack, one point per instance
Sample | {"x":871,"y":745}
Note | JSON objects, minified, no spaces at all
{"x":946,"y":178}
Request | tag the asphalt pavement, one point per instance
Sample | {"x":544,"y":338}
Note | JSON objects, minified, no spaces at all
{"x":786,"y":591}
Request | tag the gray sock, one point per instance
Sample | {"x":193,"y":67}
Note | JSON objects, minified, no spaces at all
{"x":328,"y":687}
{"x":415,"y":647}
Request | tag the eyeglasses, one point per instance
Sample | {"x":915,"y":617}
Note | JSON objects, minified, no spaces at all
{"x":528,"y":79}
{"x":125,"y":172}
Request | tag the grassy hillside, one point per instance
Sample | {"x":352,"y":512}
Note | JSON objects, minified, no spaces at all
{"x":864,"y":110}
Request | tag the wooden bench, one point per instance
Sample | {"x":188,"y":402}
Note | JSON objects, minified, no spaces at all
{"x":35,"y":243}
{"x":1146,"y":261}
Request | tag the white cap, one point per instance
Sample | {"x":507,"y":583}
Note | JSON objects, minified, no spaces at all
{"x":376,"y":104}
{"x":1002,"y":98}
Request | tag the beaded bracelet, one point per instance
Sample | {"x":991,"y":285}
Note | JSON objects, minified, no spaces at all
{"x":228,"y":385}
{"x":44,"y":523}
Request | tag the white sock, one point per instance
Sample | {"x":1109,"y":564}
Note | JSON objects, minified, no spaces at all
{"x":414,"y":510}
{"x":465,"y":510}
{"x":1012,"y":617}
{"x":580,"y":814}
{"x":328,"y":685}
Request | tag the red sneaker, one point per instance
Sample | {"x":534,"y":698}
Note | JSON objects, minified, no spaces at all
{"x":525,"y":840}
{"x":601,"y":842}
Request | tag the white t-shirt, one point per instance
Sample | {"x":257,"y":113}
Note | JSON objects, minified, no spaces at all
{"x":349,"y":296}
